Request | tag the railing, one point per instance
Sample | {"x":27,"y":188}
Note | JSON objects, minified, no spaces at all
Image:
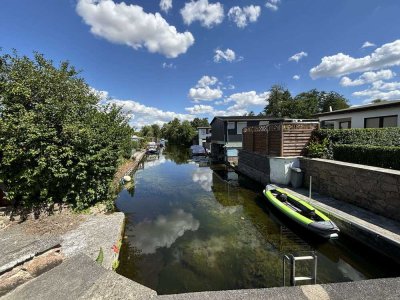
{"x":278,"y":139}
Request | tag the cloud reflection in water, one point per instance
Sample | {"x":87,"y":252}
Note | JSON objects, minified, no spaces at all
{"x":204,"y":177}
{"x":163,"y":231}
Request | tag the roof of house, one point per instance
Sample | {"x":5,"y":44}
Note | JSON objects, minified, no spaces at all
{"x":253,"y":118}
{"x":204,"y":127}
{"x":379,"y":105}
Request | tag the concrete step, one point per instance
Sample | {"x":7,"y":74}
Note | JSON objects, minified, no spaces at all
{"x":17,"y":248}
{"x":79,"y":277}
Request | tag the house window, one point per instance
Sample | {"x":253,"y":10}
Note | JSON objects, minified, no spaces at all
{"x":345,"y":125}
{"x":263,"y":123}
{"x":240,"y":126}
{"x":231,"y":125}
{"x":202,"y":131}
{"x":390,"y":121}
{"x":379,"y":122}
{"x":327,"y":125}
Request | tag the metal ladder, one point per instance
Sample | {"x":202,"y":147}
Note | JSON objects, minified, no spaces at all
{"x":292,"y":260}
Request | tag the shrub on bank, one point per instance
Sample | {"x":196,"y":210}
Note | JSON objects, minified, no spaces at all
{"x":369,"y":146}
{"x":389,"y":136}
{"x":378,"y":156}
{"x":57,"y":144}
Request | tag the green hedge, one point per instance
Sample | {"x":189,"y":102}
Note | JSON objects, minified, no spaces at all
{"x":362,"y":136}
{"x":378,"y":156}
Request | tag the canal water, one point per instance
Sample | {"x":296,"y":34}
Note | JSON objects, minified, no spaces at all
{"x":191,"y":227}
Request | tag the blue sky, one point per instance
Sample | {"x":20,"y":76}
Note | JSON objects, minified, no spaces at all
{"x":208,"y":57}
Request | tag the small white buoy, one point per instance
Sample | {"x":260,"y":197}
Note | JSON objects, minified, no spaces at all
{"x":127,"y":178}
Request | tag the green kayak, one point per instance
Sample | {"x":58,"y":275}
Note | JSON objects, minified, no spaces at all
{"x":301,"y":212}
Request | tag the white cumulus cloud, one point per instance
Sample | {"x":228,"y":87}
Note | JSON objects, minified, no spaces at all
{"x":203,"y":91}
{"x":245,"y":99}
{"x":228,"y":55}
{"x":245,"y":15}
{"x":204,"y":94}
{"x":129,"y":25}
{"x":296,"y":57}
{"x":368,"y":44}
{"x":380,"y":90}
{"x":208,"y":14}
{"x":342,"y":64}
{"x":272,"y":4}
{"x":165,"y":5}
{"x":200,"y":109}
{"x":237,"y":104}
{"x":207,"y":81}
{"x":296,"y":77}
{"x":368,"y":77}
{"x":140,"y":114}
{"x":372,"y":94}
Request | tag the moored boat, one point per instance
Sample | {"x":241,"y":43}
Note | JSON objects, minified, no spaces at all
{"x":301,"y":212}
{"x":152,"y":148}
{"x":197,"y":150}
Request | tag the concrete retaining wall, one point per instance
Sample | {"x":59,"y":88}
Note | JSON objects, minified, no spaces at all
{"x":375,"y":189}
{"x":254,"y":166}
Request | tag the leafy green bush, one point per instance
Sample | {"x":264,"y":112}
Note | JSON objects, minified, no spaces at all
{"x":317,"y":149}
{"x":369,"y":146}
{"x":378,"y":156}
{"x":362,"y":136}
{"x":57,"y":144}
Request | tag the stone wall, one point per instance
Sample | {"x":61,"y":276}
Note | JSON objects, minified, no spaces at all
{"x":254,"y":166}
{"x":372,"y":188}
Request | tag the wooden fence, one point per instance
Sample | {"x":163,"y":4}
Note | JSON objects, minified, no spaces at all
{"x":278,"y":139}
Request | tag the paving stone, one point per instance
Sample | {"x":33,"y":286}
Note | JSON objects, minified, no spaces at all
{"x":18,"y":247}
{"x":79,"y":277}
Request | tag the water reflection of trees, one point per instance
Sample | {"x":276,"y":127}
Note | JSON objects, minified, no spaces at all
{"x":178,"y":154}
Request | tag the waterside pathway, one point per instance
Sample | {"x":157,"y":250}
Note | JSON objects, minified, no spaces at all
{"x":191,"y":228}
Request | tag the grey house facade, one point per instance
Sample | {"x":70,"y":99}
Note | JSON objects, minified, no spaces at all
{"x":226,"y":135}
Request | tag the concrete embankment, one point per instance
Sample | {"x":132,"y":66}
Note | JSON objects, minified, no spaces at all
{"x":37,"y":246}
{"x":79,"y":277}
{"x":376,"y":231}
{"x":388,"y":288}
{"x":129,"y":166}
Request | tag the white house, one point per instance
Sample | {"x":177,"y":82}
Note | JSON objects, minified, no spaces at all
{"x":204,"y":133}
{"x":136,"y":138}
{"x":376,"y":115}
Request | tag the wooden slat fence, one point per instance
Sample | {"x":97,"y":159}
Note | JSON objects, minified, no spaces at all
{"x":278,"y":139}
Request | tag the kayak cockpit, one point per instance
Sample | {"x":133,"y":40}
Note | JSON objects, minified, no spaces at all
{"x":296,"y":206}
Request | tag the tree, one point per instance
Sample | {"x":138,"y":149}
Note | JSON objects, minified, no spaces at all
{"x":304,"y":106}
{"x":332,"y":100}
{"x":147,"y":131}
{"x":279,"y":102}
{"x":56,"y":143}
{"x":249,"y":114}
{"x":156,"y":131}
{"x":177,"y":133}
{"x":197,"y":122}
{"x":378,"y":101}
